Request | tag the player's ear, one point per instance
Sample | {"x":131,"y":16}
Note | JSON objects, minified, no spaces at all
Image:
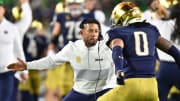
{"x":80,"y":32}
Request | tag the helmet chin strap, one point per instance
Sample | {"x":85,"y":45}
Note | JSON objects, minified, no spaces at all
{"x":134,"y":21}
{"x":125,"y":22}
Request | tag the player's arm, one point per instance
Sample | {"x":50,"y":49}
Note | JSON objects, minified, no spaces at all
{"x":24,"y":23}
{"x":55,"y":33}
{"x":169,"y":48}
{"x":117,"y":46}
{"x":56,"y":29}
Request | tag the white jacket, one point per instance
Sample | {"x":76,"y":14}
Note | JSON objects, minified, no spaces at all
{"x":93,"y":67}
{"x":25,"y":22}
{"x":11,"y":46}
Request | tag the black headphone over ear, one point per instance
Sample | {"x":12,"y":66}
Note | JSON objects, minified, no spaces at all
{"x":100,"y":37}
{"x":91,"y":20}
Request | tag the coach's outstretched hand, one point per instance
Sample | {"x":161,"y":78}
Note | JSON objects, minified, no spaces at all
{"x":18,"y":66}
{"x":120,"y":78}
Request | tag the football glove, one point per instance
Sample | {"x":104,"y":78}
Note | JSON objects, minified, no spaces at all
{"x":120,"y":77}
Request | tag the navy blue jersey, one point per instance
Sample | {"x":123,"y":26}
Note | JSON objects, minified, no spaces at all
{"x":70,"y":26}
{"x":139,"y":50}
{"x":34,"y":46}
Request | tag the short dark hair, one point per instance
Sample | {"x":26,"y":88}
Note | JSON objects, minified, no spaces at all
{"x":87,"y":21}
{"x":91,"y":20}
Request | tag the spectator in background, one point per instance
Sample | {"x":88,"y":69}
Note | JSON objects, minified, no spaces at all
{"x":11,"y":49}
{"x":35,"y":47}
{"x":22,"y":18}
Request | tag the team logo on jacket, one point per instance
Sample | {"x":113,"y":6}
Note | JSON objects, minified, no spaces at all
{"x":78,"y":59}
{"x":99,"y":59}
{"x":5,"y":32}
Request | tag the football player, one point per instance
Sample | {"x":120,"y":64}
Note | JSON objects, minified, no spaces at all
{"x":134,"y":41}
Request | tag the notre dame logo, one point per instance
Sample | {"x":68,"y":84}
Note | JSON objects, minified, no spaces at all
{"x":78,"y":59}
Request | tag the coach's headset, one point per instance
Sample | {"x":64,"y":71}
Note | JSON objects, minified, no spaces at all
{"x":91,"y":20}
{"x":100,"y":37}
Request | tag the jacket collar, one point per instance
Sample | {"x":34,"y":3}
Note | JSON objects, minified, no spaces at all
{"x":90,"y":48}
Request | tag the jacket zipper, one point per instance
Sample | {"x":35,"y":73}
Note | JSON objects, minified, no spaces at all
{"x":88,"y":58}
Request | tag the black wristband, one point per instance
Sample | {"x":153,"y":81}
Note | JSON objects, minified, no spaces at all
{"x":175,"y":53}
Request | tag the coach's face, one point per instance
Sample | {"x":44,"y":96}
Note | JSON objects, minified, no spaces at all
{"x":2,"y":11}
{"x":90,"y":34}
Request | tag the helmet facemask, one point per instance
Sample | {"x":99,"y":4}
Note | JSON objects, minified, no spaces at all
{"x":75,"y":7}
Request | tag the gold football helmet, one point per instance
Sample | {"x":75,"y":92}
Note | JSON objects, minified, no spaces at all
{"x":37,"y":24}
{"x":17,"y":13}
{"x":124,"y":13}
{"x":61,"y":7}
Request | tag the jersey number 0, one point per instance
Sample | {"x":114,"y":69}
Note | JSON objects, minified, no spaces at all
{"x":141,"y":43}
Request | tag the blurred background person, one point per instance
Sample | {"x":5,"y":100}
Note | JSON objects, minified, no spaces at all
{"x":22,"y":18}
{"x":11,"y":49}
{"x":35,"y":46}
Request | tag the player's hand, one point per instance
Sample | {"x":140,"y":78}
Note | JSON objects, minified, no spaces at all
{"x":19,"y":66}
{"x":24,"y":77}
{"x":120,"y":78}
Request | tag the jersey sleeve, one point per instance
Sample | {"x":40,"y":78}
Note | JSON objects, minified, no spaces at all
{"x":113,"y":34}
{"x":60,"y":17}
